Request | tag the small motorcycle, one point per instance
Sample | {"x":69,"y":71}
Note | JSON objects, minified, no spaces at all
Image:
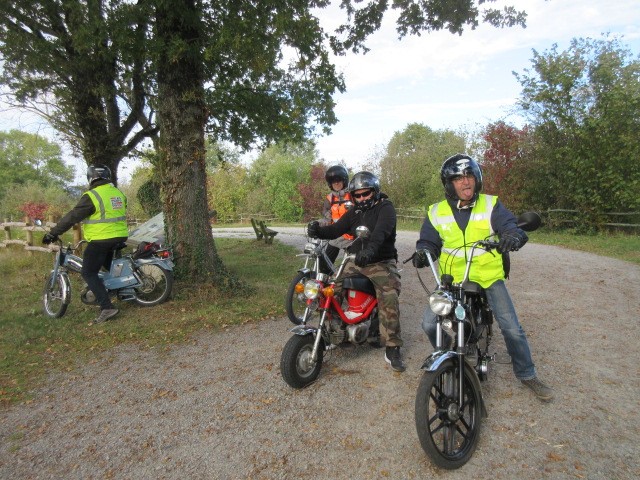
{"x":449,"y":407}
{"x":354,"y":320}
{"x":145,"y":277}
{"x":295,"y":302}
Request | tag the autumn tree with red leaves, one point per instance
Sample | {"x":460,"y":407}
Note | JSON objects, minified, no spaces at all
{"x":313,"y":193}
{"x":504,"y":163}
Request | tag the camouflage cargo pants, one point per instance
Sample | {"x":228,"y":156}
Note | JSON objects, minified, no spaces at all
{"x":386,"y":280}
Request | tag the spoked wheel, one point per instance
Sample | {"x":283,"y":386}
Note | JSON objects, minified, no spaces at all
{"x":296,"y":303}
{"x":447,"y":433}
{"x":156,"y":285}
{"x":56,"y":296}
{"x":296,"y":365}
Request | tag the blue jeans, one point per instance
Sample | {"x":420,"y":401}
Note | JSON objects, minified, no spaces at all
{"x":514,"y":336}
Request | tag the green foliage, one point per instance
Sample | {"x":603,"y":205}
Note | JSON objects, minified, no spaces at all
{"x":151,"y":199}
{"x":27,"y":158}
{"x":57,"y":200}
{"x":281,"y":169}
{"x":148,"y":197}
{"x":410,"y":168}
{"x":584,"y":104}
{"x":84,"y":68}
{"x":228,"y":187}
{"x":417,"y":17}
{"x":220,"y":155}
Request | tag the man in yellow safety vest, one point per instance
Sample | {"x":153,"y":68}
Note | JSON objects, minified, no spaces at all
{"x":102,"y":209}
{"x":465,"y":216}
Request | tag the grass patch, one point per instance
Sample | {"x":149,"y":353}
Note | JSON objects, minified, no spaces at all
{"x":615,"y":245}
{"x":32,"y":344}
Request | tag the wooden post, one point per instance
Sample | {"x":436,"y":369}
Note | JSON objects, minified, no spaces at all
{"x":7,"y":230}
{"x":27,"y":223}
{"x":77,"y":236}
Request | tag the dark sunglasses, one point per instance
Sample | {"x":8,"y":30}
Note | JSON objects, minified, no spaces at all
{"x":362,"y":195}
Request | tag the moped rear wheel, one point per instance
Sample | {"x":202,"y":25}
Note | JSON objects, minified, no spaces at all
{"x":296,"y":303}
{"x":56,"y":296}
{"x":156,"y":287}
{"x":448,"y":434}
{"x":296,"y":365}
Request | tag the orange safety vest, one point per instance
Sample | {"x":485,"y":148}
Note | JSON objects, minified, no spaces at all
{"x":338,"y":209}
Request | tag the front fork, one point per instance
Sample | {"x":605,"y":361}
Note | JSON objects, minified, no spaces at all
{"x":460,"y":352}
{"x":303,"y":329}
{"x":316,"y":343}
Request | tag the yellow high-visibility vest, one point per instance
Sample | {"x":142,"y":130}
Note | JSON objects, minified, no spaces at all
{"x":486,"y":267}
{"x":109,"y":220}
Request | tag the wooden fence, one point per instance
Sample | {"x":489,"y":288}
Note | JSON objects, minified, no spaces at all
{"x":554,"y":218}
{"x":411,"y":214}
{"x":28,"y":227}
{"x":245,"y":218}
{"x":559,"y":217}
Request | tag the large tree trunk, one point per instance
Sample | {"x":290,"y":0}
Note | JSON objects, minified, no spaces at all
{"x":182,"y":117}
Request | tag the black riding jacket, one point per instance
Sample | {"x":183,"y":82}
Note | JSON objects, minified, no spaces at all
{"x":380,"y":219}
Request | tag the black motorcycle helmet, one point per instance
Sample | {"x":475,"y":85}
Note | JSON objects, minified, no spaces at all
{"x":456,"y":166}
{"x":360,"y":181}
{"x":98,"y":172}
{"x":335,"y":174}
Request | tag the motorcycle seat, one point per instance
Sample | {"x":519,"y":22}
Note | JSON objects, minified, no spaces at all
{"x":472,"y":288}
{"x":360,"y":283}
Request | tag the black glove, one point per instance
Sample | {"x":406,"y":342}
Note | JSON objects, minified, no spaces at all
{"x":420,"y":258}
{"x":509,"y":242}
{"x":313,"y":229}
{"x":363,"y":257}
{"x":49,"y":238}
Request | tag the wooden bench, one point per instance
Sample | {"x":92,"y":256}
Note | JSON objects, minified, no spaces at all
{"x":256,"y":228}
{"x":267,"y":232}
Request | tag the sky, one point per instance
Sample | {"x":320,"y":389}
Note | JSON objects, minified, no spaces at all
{"x":448,"y":81}
{"x":439,"y":79}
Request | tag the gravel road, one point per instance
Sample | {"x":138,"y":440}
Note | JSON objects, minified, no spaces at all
{"x":216,"y":406}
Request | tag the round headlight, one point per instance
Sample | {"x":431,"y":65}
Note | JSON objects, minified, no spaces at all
{"x":440,"y":302}
{"x":311,"y":289}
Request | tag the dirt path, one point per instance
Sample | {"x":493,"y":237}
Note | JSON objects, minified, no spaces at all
{"x":217,"y":408}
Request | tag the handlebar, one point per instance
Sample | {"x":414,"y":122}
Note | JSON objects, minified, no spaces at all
{"x":486,"y":245}
{"x":70,"y":246}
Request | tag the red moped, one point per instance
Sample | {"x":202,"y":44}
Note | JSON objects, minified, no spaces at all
{"x":350,"y":316}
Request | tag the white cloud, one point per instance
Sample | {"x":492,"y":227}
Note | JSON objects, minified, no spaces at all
{"x":445,"y":80}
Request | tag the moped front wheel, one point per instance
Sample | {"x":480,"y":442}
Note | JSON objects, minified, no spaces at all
{"x":296,"y":303}
{"x":296,"y":363}
{"x":156,"y":286}
{"x":448,"y":433}
{"x":56,"y":296}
